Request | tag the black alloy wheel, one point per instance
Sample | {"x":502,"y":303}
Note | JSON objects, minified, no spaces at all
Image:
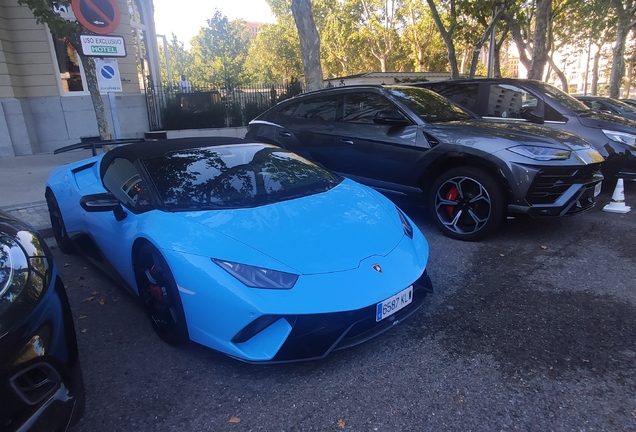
{"x":160,"y":296}
{"x":467,"y":203}
{"x":62,"y":239}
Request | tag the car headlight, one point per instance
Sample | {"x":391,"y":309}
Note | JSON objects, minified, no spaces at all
{"x":257,"y":277}
{"x":621,"y":137}
{"x":406,"y":226}
{"x":541,"y":153}
{"x":25,"y":273}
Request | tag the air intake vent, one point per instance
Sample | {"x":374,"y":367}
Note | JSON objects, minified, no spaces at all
{"x":432,"y":141}
{"x":36,"y":383}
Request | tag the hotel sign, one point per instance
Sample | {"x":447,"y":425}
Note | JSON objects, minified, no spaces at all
{"x":103,"y":46}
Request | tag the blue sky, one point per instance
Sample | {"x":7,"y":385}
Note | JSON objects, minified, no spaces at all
{"x":185,"y":17}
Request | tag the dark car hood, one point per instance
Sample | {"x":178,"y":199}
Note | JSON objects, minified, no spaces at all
{"x":601,"y":120}
{"x":470,"y":132}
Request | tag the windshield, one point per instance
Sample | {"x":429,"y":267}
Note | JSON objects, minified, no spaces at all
{"x":428,"y":105}
{"x":561,"y":97}
{"x":236,"y":176}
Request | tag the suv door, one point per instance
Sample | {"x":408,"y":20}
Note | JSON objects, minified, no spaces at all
{"x":370,"y":151}
{"x":309,"y":126}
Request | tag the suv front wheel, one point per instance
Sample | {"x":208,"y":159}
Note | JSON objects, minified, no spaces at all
{"x":467,"y":203}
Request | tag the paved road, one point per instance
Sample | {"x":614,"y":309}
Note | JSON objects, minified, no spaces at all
{"x":534,"y":329}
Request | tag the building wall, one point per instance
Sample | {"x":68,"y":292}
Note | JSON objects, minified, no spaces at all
{"x":36,"y":114}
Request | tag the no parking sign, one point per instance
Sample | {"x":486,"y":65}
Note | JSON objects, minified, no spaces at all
{"x":108,"y":75}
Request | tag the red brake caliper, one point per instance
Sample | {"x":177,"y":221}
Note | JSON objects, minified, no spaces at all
{"x":451,"y":195}
{"x":155,"y":289}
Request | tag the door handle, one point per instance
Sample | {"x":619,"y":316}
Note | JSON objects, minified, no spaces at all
{"x":284,"y":134}
{"x":344,"y":141}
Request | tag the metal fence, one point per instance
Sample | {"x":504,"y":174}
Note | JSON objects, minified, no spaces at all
{"x":170,"y":108}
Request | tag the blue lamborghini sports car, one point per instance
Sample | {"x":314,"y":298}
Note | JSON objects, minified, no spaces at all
{"x":243,"y":247}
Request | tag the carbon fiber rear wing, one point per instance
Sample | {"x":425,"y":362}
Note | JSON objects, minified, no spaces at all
{"x":96,"y":144}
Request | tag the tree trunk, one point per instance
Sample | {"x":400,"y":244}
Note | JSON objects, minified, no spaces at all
{"x":496,"y":73}
{"x":309,"y":43}
{"x":597,"y":57}
{"x":96,"y":98}
{"x":540,"y":39}
{"x":628,"y":81}
{"x":480,"y":43}
{"x":618,"y":60}
{"x":447,"y":36}
{"x":561,"y":75}
{"x":522,"y":48}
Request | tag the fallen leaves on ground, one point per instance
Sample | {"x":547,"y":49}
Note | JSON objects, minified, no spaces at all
{"x":543,"y":247}
{"x":66,"y":264}
{"x":340,"y":423}
{"x":89,"y":298}
{"x":82,"y":317}
{"x":84,"y":330}
{"x":234,"y":420}
{"x":102,"y":302}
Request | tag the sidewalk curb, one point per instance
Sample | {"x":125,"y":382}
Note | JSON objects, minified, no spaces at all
{"x":35,"y":214}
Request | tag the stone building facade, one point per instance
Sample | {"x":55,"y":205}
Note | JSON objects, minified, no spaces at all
{"x":44,"y":102}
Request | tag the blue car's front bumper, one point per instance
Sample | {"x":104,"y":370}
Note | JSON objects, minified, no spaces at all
{"x":315,"y":336}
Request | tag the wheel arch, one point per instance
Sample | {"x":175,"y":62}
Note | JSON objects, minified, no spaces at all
{"x":443,"y":164}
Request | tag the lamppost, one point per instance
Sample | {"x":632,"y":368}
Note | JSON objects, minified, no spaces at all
{"x":167,"y":56}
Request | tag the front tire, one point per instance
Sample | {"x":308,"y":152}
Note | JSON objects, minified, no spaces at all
{"x":62,"y":239}
{"x":160,"y":296}
{"x":467,"y":203}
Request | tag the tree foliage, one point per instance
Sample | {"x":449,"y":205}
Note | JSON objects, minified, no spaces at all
{"x":220,"y":50}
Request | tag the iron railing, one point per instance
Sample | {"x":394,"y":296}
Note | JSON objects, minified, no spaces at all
{"x":169,"y":108}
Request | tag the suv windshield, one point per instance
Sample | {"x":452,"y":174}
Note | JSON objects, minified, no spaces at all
{"x":561,"y":97}
{"x":236,"y":176}
{"x":428,"y":105}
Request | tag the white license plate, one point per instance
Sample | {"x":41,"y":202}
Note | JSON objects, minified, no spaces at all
{"x":597,"y":189}
{"x":393,"y":304}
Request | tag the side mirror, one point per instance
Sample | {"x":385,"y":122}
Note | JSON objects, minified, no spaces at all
{"x":533,"y":115}
{"x":390,"y":117}
{"x":103,"y":202}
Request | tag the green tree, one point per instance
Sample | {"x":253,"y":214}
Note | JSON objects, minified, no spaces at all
{"x":625,"y":13}
{"x":529,"y":27}
{"x":274,"y":55}
{"x":425,"y":45}
{"x":220,"y":50}
{"x":380,"y":20}
{"x":181,"y":61}
{"x":46,"y":11}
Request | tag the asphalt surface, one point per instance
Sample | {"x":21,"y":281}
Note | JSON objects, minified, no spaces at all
{"x":533,"y":329}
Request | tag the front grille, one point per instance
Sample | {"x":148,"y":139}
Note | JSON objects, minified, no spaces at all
{"x":315,"y":336}
{"x":551,"y":183}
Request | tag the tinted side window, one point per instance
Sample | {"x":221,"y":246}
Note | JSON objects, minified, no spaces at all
{"x":361,"y":107}
{"x":508,"y":101}
{"x":323,"y":108}
{"x":122,"y":179}
{"x":464,"y":95}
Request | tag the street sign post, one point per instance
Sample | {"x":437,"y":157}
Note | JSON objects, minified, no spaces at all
{"x":108,"y":77}
{"x":99,"y":16}
{"x":103,"y":46}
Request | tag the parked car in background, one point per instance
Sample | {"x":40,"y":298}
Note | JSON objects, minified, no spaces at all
{"x":521,"y":100}
{"x":631,"y":102}
{"x":609,"y":105}
{"x":41,"y":386}
{"x":243,"y":247}
{"x":411,"y":142}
